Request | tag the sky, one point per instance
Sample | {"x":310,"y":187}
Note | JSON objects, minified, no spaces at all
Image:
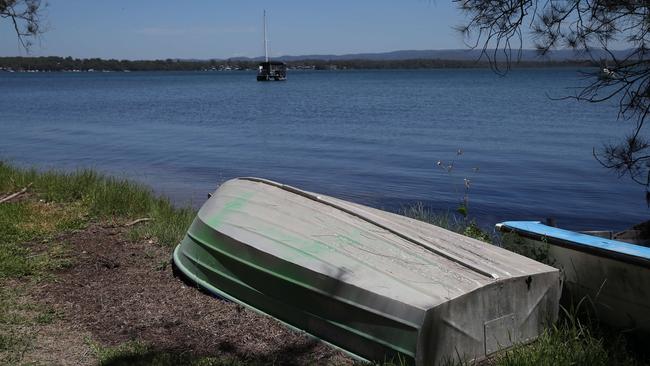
{"x":202,"y":29}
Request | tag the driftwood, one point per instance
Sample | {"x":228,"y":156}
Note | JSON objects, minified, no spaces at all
{"x":134,"y":222}
{"x":14,"y":195}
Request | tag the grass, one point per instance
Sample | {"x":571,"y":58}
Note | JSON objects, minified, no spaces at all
{"x":26,"y":229}
{"x":30,"y":248}
{"x":449,"y":221}
{"x":18,"y":315}
{"x":577,"y":339}
{"x":65,"y":202}
{"x":76,"y":198}
{"x":568,"y":344}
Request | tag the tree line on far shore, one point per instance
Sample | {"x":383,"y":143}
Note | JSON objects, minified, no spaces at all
{"x":55,"y":63}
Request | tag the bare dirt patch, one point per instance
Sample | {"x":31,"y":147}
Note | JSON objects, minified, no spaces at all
{"x":118,"y":291}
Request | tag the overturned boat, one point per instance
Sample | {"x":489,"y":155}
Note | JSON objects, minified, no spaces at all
{"x":612,"y":277}
{"x":376,"y":284}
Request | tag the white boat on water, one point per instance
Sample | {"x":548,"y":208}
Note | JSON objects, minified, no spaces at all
{"x":612,"y":275}
{"x":376,"y":284}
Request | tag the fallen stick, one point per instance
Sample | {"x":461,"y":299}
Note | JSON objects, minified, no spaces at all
{"x":144,"y":219}
{"x":14,"y":195}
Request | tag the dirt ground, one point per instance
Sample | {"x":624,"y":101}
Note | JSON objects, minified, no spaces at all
{"x":118,"y":291}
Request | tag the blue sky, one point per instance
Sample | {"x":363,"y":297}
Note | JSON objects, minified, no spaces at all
{"x":146,"y":29}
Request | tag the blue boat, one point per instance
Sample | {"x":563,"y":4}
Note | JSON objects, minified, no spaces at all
{"x":612,"y":275}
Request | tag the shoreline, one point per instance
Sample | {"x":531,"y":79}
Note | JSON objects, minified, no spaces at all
{"x":68,"y":64}
{"x":85,"y":279}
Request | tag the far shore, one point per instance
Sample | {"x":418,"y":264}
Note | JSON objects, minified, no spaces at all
{"x":68,"y":64}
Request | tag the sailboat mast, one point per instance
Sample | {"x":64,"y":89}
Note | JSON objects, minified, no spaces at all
{"x":266,"y":46}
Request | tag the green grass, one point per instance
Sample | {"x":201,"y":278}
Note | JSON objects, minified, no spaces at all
{"x":26,"y":229}
{"x":62,"y":202}
{"x":449,"y":221}
{"x":572,"y":342}
{"x":98,"y":197}
{"x":169,"y":223}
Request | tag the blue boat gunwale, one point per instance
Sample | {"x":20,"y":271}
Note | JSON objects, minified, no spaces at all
{"x":606,"y":248}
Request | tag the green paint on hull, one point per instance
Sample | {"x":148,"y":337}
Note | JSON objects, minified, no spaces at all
{"x":231,"y":207}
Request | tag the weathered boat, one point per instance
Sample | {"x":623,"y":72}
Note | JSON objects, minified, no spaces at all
{"x":614,"y":276}
{"x":376,"y":284}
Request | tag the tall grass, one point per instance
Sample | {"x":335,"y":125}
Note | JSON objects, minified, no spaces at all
{"x":104,"y":198}
{"x":573,"y":342}
{"x":449,"y":221}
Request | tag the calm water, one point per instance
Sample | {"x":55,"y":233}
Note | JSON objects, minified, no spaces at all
{"x":372,"y":137}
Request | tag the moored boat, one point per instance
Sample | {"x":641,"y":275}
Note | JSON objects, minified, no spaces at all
{"x":606,"y":74}
{"x":270,"y":70}
{"x":614,"y":276}
{"x":376,"y":284}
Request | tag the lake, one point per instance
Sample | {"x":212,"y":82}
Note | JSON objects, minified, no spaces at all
{"x":372,"y":137}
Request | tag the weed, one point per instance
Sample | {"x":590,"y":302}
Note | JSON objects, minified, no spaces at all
{"x":47,"y":316}
{"x":450,"y":168}
{"x":447,"y":221}
{"x":162,"y":265}
{"x":570,"y":342}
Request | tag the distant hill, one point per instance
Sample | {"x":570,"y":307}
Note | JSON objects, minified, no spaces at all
{"x":451,"y":55}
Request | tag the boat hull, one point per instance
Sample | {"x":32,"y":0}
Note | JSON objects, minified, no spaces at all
{"x":609,"y":277}
{"x":314,"y":310}
{"x":378,"y":285}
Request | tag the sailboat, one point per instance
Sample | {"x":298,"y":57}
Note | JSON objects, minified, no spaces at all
{"x":270,"y":70}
